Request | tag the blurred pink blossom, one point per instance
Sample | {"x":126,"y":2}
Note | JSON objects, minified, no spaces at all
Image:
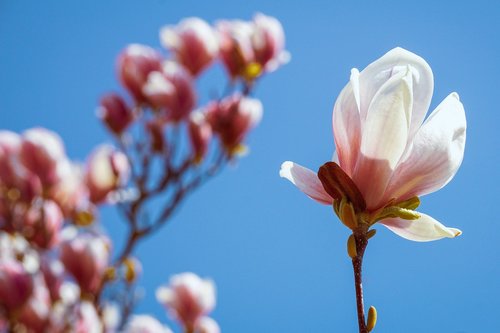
{"x":188,"y":298}
{"x":145,"y":324}
{"x":200,"y":134}
{"x":193,"y":42}
{"x":115,"y":113}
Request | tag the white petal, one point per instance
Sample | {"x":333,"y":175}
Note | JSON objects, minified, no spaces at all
{"x":424,"y":229}
{"x":347,"y":124}
{"x":378,"y":72}
{"x":435,"y":155}
{"x":384,"y":137}
{"x":306,"y":180}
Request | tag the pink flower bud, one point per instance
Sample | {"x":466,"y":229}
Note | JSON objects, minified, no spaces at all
{"x":85,"y":256}
{"x":10,"y":146}
{"x":233,"y":117}
{"x":171,"y":90}
{"x":268,"y":42}
{"x":41,"y":153}
{"x":71,"y":193}
{"x":87,"y":319}
{"x":200,"y":134}
{"x":236,"y":48}
{"x":42,"y":224}
{"x":207,"y":325}
{"x":115,"y":113}
{"x":193,"y":42}
{"x":16,"y":284}
{"x":188,"y":297}
{"x":35,"y":313}
{"x":107,"y":170}
{"x":53,"y":274}
{"x":134,"y":65}
{"x":145,"y":324}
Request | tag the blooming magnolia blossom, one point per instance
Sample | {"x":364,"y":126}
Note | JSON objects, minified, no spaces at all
{"x":107,"y":170}
{"x":188,"y":297}
{"x":92,"y":251}
{"x":248,"y":49}
{"x":207,"y":325}
{"x":385,"y":149}
{"x":193,"y":42}
{"x":232,"y":118}
{"x":171,"y":90}
{"x":134,"y":64}
{"x":200,"y":134}
{"x":145,"y":324}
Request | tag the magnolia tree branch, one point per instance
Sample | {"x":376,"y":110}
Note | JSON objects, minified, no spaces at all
{"x":357,"y":264}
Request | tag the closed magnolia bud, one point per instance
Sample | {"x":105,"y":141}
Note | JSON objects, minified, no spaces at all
{"x":10,"y":146}
{"x":207,"y":325}
{"x":16,"y":284}
{"x":107,"y":170}
{"x":171,"y":90}
{"x":200,"y":134}
{"x":85,"y":256}
{"x":188,"y":298}
{"x":268,"y":41}
{"x":193,"y":42}
{"x":53,"y":274}
{"x":134,"y":65}
{"x":232,"y":118}
{"x":42,"y":224}
{"x":87,"y":319}
{"x":236,"y":48}
{"x":145,"y":324}
{"x":41,"y":153}
{"x":115,"y":113}
{"x":35,"y":313}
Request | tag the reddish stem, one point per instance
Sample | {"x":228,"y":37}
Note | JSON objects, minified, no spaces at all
{"x":357,"y":264}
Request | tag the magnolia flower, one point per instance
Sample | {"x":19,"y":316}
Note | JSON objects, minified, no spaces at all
{"x":207,"y":325}
{"x":193,"y":42}
{"x":249,"y":49}
{"x":107,"y":170}
{"x":386,"y":154}
{"x":134,"y":64}
{"x":145,"y":324}
{"x":188,"y":297}
{"x":171,"y":90}
{"x":200,"y":134}
{"x":85,"y":256}
{"x":232,"y":118}
{"x":115,"y":113}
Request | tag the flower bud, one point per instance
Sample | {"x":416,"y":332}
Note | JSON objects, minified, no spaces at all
{"x":87,"y":319}
{"x":132,"y":269}
{"x":115,"y":113}
{"x":171,"y":90}
{"x":16,"y":284}
{"x":188,"y":297}
{"x":236,"y":48}
{"x":207,"y":325}
{"x":232,"y":118}
{"x":268,"y":41}
{"x":53,"y":274}
{"x":145,"y":324}
{"x":134,"y":65}
{"x":42,"y":224}
{"x":200,"y":134}
{"x":193,"y":42}
{"x":35,"y":313}
{"x":42,"y":152}
{"x":85,"y":256}
{"x":107,"y":169}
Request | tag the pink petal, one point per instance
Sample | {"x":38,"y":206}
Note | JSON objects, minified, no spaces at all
{"x":424,"y":229}
{"x":377,"y":73}
{"x":306,"y":180}
{"x":385,"y":136}
{"x":436,"y":153}
{"x":347,"y":125}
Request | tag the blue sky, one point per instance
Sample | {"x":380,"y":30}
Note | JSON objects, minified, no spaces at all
{"x":279,"y":258}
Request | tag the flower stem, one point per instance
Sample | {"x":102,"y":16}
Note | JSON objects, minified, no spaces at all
{"x":357,"y":264}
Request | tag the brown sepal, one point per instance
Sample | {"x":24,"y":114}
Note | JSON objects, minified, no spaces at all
{"x":338,"y":184}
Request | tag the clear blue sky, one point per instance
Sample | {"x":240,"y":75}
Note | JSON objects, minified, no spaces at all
{"x":279,"y":258}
